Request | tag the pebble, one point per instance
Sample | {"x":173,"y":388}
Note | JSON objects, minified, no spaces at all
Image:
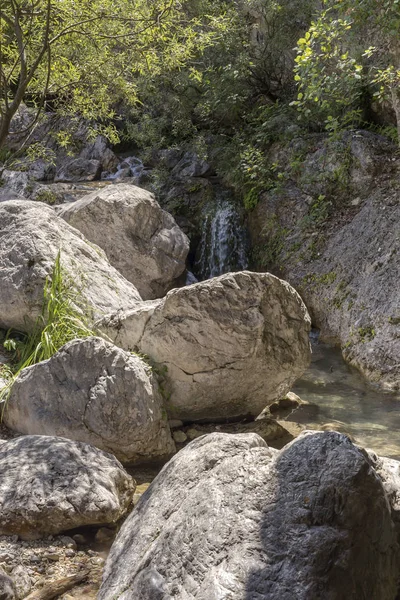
{"x":179,"y":436}
{"x":52,"y":556}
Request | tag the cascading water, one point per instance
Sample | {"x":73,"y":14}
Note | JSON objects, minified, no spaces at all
{"x":131,"y":166}
{"x":223,"y":245}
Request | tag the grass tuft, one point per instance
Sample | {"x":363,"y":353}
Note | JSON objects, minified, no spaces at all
{"x":60,"y":321}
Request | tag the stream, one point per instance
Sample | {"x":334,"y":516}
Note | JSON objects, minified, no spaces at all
{"x":340,"y":396}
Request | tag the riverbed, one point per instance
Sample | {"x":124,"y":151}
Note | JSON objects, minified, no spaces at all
{"x":339,"y":397}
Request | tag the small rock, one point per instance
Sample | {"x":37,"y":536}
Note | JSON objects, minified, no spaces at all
{"x":23,"y":582}
{"x":179,"y":436}
{"x":7,"y":587}
{"x":69,"y":552}
{"x":54,"y":556}
{"x":192,"y":433}
{"x":291,"y":400}
{"x":6,"y":557}
{"x":68,"y":542}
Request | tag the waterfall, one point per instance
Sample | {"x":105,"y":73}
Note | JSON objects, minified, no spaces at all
{"x":223,"y":244}
{"x":129,"y":167}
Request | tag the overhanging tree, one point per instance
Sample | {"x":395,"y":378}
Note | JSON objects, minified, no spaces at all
{"x":350,"y":46}
{"x":86,"y":54}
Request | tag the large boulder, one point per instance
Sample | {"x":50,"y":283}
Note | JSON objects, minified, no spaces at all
{"x":140,"y":239}
{"x":230,"y":518}
{"x":50,"y":484}
{"x":31,"y":235}
{"x":91,"y":391}
{"x":230,"y":345}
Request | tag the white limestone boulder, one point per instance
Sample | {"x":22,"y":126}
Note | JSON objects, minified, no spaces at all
{"x":31,"y":235}
{"x":91,"y":391}
{"x":50,"y":484}
{"x":140,"y":239}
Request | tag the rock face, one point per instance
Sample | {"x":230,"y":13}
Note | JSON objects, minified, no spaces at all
{"x":338,"y":230}
{"x":230,"y":518}
{"x":191,"y":166}
{"x":50,"y":484}
{"x":31,"y":235}
{"x":91,"y":391}
{"x":231,"y":345}
{"x":140,"y":239}
{"x":78,"y":169}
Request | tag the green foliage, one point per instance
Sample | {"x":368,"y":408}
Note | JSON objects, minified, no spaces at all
{"x":86,"y":56}
{"x":324,"y":279}
{"x":334,"y":67}
{"x":267,"y":255}
{"x":60,"y":321}
{"x":318,"y":212}
{"x":366,"y":334}
{"x":46,"y":196}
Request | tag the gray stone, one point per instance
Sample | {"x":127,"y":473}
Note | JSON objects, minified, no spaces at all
{"x":191,"y":166}
{"x":49,"y":485}
{"x":230,"y":518}
{"x":231,"y":345}
{"x":91,"y":391}
{"x":31,"y":235}
{"x":23,"y":582}
{"x":78,"y":169}
{"x":140,"y":239}
{"x":7,"y":587}
{"x":180,"y":437}
{"x":16,"y":182}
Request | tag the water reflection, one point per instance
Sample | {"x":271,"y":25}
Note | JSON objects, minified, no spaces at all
{"x":342,"y":399}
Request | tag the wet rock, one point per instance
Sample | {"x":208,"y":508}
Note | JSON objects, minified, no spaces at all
{"x":31,"y":235}
{"x":229,"y":517}
{"x":92,"y":391}
{"x":290,"y":400}
{"x":59,"y":485}
{"x":140,"y":239}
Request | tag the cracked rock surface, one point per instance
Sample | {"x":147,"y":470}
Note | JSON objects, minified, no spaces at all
{"x":231,"y":345}
{"x":91,"y":391}
{"x":50,"y":484}
{"x":140,"y":239}
{"x":230,"y":518}
{"x":31,"y":234}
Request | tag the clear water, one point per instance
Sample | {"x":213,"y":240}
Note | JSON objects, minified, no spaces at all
{"x":223,"y":244}
{"x":341,"y":397}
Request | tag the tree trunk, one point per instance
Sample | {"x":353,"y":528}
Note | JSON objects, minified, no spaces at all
{"x":57,"y":588}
